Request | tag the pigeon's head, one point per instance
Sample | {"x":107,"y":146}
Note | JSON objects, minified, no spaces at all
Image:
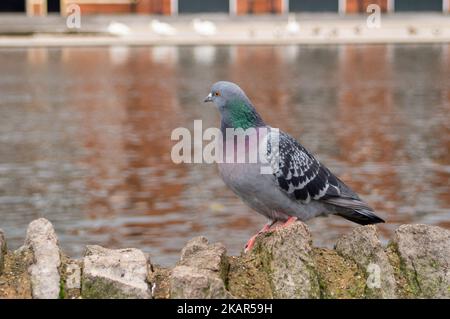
{"x":234,"y":106}
{"x":224,"y":93}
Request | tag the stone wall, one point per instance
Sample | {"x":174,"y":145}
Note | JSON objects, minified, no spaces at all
{"x":282,"y":264}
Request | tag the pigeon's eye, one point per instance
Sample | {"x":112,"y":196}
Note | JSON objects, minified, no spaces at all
{"x":216,"y":93}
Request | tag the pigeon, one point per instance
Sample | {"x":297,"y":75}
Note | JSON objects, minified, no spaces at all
{"x":204,"y":27}
{"x":118,"y":28}
{"x":162,"y":28}
{"x":299,"y":187}
{"x":292,"y":27}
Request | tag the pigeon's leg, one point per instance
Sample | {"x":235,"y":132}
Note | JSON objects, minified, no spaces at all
{"x":289,"y":221}
{"x":251,"y":241}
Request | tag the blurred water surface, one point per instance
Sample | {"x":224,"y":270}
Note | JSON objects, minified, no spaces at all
{"x":85,"y":137}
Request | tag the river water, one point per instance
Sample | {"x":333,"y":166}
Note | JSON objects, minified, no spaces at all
{"x":85,"y":138}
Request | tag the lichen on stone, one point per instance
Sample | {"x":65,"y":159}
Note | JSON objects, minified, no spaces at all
{"x":15,"y":281}
{"x":338,"y":277}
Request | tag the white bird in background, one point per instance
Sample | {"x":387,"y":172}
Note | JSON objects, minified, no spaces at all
{"x":162,"y":28}
{"x":292,"y":27}
{"x":118,"y":28}
{"x":204,"y":27}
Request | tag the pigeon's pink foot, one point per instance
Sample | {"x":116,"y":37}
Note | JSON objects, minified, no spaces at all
{"x":251,"y":241}
{"x":289,"y":221}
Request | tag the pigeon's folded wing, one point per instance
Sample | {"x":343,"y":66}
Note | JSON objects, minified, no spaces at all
{"x":302,"y":176}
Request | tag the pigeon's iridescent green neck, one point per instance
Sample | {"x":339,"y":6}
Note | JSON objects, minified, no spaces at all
{"x":241,"y":115}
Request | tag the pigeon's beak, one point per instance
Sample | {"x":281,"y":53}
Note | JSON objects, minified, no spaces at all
{"x":208,"y":98}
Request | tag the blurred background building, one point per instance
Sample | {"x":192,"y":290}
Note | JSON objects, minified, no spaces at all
{"x":233,"y":7}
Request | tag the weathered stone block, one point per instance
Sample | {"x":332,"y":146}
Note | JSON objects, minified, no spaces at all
{"x":42,"y":241}
{"x":364,"y":248}
{"x":120,"y":273}
{"x":424,"y":253}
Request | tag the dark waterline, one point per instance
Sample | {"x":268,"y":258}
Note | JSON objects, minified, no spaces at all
{"x":85,"y":137}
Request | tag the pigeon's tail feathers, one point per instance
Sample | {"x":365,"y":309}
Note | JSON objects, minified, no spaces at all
{"x":352,"y":203}
{"x":361,"y":216}
{"x":354,"y":210}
